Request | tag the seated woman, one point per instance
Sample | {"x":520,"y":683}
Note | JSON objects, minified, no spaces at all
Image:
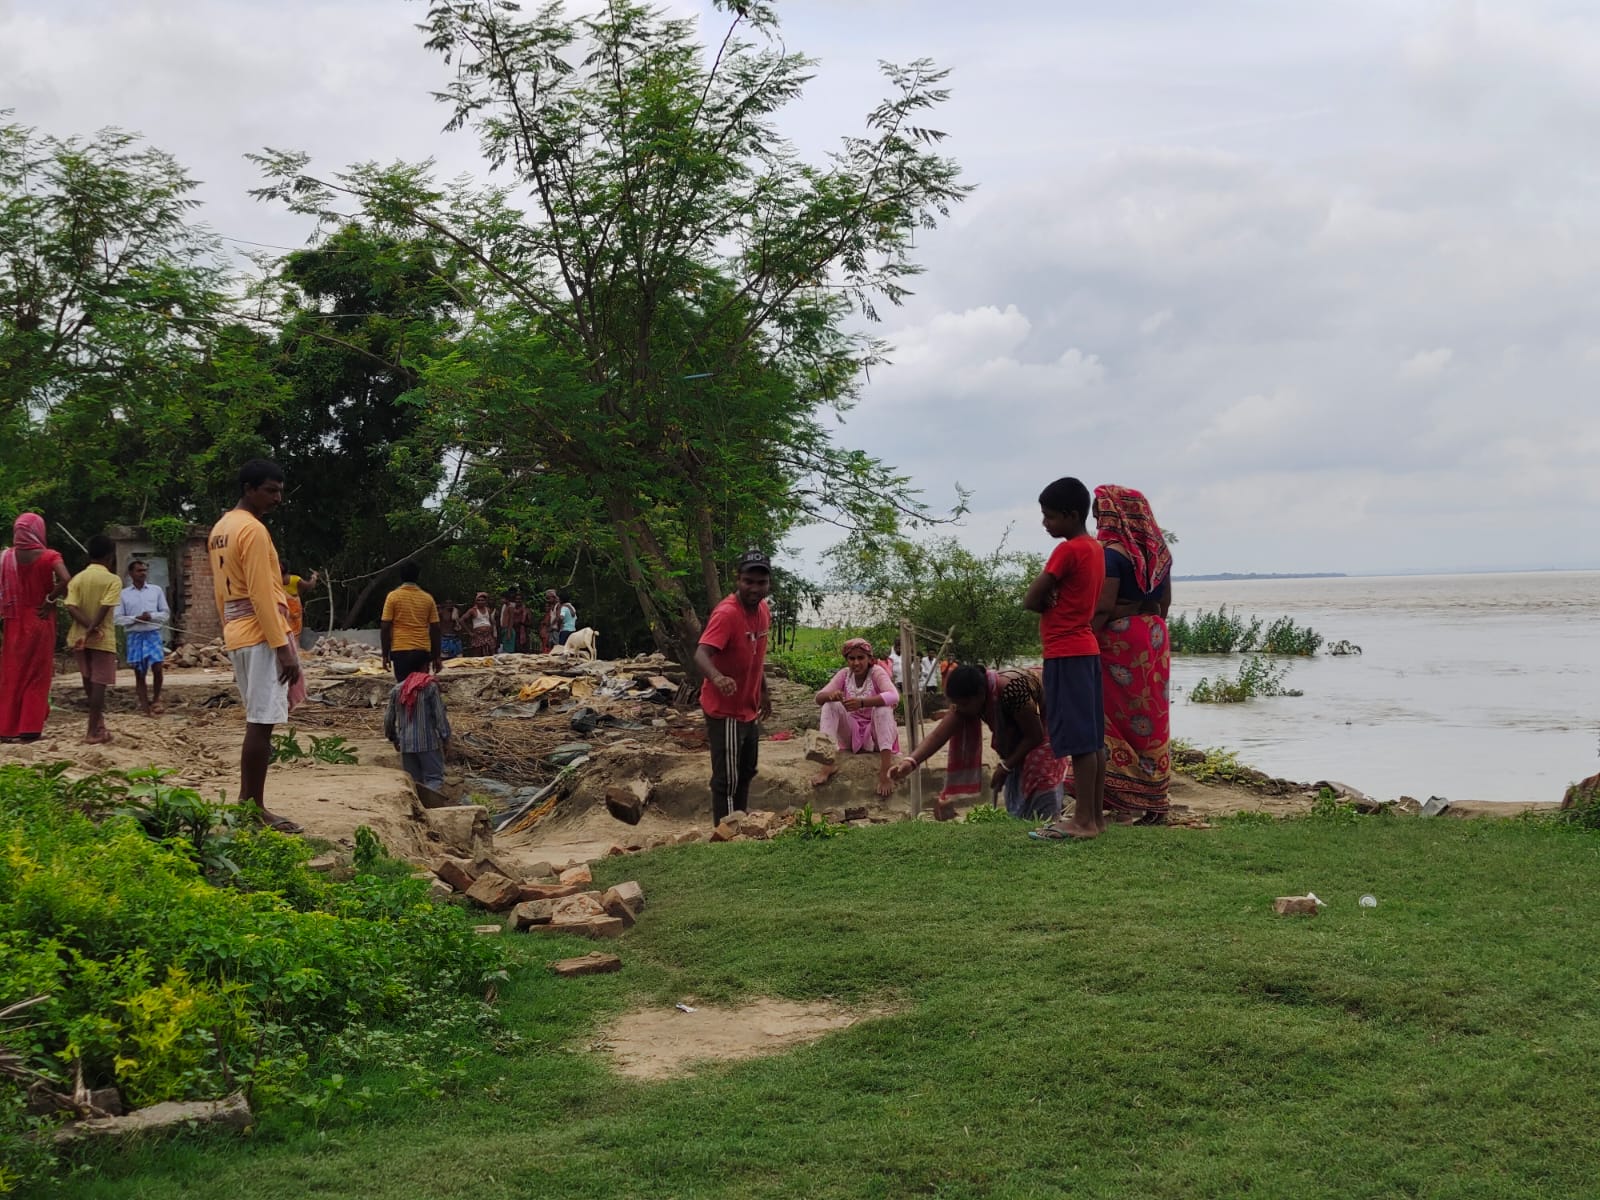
{"x":1011,"y":704}
{"x":858,"y":712}
{"x":1130,"y":623}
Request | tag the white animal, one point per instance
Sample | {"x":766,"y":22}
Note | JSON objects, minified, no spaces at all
{"x":585,"y":643}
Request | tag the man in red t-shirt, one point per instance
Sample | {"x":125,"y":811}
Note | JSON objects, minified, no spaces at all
{"x":1064,"y":596}
{"x":732,"y":658}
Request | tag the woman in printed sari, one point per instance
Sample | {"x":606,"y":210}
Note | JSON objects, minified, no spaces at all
{"x":32,"y":578}
{"x":1011,"y":704}
{"x":858,"y":712}
{"x":1135,"y":657}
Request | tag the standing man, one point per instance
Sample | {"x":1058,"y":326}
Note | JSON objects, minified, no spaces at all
{"x":248,"y":584}
{"x":732,"y":658}
{"x":92,"y":599}
{"x":410,"y":629}
{"x":142,"y":611}
{"x":566,"y":622}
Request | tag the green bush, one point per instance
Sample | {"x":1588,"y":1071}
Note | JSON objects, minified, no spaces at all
{"x":1219,"y":631}
{"x":1581,"y":806}
{"x":173,"y":975}
{"x":1256,"y":677}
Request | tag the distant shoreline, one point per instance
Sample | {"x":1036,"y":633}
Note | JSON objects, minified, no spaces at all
{"x":1232,"y":576}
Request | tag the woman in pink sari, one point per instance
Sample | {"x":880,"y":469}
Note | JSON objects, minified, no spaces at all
{"x":858,"y":712}
{"x":32,"y":577}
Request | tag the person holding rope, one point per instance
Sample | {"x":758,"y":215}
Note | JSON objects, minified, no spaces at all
{"x":142,"y":611}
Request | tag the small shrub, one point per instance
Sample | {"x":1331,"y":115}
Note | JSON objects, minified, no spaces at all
{"x":1250,"y":816}
{"x":1328,"y":807}
{"x":332,"y":750}
{"x":1581,"y":807}
{"x":987,"y":814}
{"x":1220,"y":631}
{"x":286,"y":747}
{"x":811,"y":826}
{"x":1218,"y":763}
{"x":1256,"y":677}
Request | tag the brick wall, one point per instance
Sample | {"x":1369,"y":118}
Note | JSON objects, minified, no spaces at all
{"x":200,"y":618}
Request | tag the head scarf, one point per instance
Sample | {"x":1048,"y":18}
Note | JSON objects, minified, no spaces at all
{"x":860,"y":644}
{"x":1123,"y":519}
{"x":27,"y":534}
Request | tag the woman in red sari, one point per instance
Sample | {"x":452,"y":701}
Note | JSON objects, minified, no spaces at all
{"x":32,"y":577}
{"x":1135,"y":657}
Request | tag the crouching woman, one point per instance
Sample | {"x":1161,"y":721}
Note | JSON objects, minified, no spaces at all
{"x":858,"y":712}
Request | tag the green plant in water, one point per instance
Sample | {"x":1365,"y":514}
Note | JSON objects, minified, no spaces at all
{"x":1256,"y":677}
{"x":1283,"y":636}
{"x":1220,"y":631}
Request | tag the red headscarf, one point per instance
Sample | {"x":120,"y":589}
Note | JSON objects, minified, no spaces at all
{"x":1123,"y":518}
{"x":27,"y":534}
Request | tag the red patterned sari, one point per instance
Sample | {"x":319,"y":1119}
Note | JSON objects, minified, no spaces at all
{"x":1135,"y":665}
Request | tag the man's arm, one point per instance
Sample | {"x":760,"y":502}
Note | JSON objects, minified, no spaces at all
{"x":386,"y":639}
{"x":1037,"y":597}
{"x":707,"y":668}
{"x":125,"y":615}
{"x":436,"y":641}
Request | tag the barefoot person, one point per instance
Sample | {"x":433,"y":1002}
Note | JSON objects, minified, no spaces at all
{"x":1130,"y":622}
{"x":732,"y":657}
{"x":32,"y":578}
{"x":142,"y":611}
{"x":858,"y":712}
{"x":1065,"y":595}
{"x":1011,"y":704}
{"x":92,"y":600}
{"x":248,"y":584}
{"x":480,"y":625}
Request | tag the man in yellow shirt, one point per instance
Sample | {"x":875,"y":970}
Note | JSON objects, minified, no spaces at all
{"x":248,"y":585}
{"x":410,"y":627}
{"x":94,"y":643}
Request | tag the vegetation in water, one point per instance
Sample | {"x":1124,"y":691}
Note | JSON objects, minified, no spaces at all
{"x":1256,"y":677}
{"x":1225,"y":631}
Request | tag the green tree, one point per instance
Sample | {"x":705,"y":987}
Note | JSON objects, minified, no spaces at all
{"x":666,"y":288}
{"x":940,"y":585}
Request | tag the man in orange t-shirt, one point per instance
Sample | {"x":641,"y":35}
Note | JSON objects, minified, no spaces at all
{"x":251,"y":602}
{"x":1065,"y":595}
{"x":409,"y":628}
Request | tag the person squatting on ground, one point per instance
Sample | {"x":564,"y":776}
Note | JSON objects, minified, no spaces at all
{"x":731,"y":657}
{"x":1011,"y":704}
{"x":33,"y":578}
{"x":142,"y":611}
{"x":858,"y":712}
{"x":410,"y":630}
{"x":416,"y":724}
{"x":93,"y":597}
{"x":1130,"y":622}
{"x":248,"y":584}
{"x":1065,"y":596}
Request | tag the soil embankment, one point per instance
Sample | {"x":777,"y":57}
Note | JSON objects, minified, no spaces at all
{"x":540,"y":741}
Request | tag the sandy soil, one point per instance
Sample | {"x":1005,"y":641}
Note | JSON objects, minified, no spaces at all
{"x":198,"y":740}
{"x":659,"y":1043}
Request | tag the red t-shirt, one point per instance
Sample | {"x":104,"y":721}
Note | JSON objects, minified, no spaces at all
{"x":738,"y":641}
{"x":1079,"y":567}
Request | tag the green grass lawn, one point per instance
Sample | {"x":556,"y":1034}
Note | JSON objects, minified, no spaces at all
{"x":1126,"y":1018}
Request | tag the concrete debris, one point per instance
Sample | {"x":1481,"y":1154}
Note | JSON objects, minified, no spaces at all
{"x":593,"y":963}
{"x":820,"y":748}
{"x":495,"y":892}
{"x":1295,"y":906}
{"x":230,"y":1113}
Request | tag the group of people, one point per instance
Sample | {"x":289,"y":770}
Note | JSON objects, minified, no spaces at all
{"x":1092,"y":721}
{"x":508,"y":627}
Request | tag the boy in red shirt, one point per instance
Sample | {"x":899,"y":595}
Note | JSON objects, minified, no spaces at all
{"x":1064,"y":596}
{"x":732,"y":658}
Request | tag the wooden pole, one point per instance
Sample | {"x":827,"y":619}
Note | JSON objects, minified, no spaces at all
{"x":911,"y":674}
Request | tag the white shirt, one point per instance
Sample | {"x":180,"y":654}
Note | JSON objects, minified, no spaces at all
{"x":894,"y":666}
{"x":138,"y":601}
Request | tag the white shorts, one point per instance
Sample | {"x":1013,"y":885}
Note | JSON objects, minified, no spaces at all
{"x":255,"y":669}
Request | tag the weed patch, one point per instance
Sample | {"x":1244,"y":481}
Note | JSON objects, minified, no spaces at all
{"x":1256,"y":677}
{"x":1220,"y":631}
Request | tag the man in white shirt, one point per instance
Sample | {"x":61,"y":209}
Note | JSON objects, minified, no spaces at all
{"x":142,"y":612}
{"x":894,"y":666}
{"x":930,"y":674}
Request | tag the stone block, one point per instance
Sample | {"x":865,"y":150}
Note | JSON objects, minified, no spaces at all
{"x":631,"y":894}
{"x":532,"y":912}
{"x":626,"y":801}
{"x":615,"y":906}
{"x":495,"y":892}
{"x":856,"y":814}
{"x":440,"y":890}
{"x":688,"y":837}
{"x":589,"y":927}
{"x":577,"y":874}
{"x":820,"y":748}
{"x":548,"y":891}
{"x":459,"y":873}
{"x":1295,"y":906}
{"x":593,"y":963}
{"x":488,"y":930}
{"x":463,"y":827}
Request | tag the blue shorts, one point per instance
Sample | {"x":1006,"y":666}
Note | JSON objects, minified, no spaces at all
{"x":1074,"y":705}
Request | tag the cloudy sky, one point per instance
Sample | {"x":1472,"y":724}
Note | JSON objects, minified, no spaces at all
{"x":1323,"y":280}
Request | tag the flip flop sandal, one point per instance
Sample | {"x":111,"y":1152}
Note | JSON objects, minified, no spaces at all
{"x":284,"y":825}
{"x":1053,"y":833}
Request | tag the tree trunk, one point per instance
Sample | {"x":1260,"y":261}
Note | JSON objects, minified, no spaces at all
{"x":705,"y":543}
{"x":674,"y":624}
{"x":355,"y":605}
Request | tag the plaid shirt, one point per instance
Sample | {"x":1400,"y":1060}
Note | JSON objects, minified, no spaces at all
{"x":419,"y":729}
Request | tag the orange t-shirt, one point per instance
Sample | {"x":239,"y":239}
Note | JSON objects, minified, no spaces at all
{"x":244,"y":566}
{"x":410,"y":611}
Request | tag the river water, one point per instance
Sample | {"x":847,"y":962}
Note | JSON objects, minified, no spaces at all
{"x":1471,"y":687}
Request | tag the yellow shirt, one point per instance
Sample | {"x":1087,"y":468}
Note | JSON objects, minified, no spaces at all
{"x":244,"y":566}
{"x":410,"y":610}
{"x":89,"y":589}
{"x":293,"y":586}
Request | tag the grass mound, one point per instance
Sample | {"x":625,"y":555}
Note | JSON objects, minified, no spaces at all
{"x":1116,"y":1019}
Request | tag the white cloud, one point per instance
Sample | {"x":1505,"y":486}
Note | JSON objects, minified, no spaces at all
{"x":1426,"y":364}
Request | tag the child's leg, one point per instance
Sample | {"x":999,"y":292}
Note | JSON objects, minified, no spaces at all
{"x":1084,"y":821}
{"x":140,"y":688}
{"x":97,"y":712}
